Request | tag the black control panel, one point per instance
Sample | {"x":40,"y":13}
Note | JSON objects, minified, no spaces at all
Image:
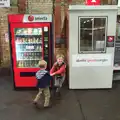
{"x":27,"y":74}
{"x":46,"y":46}
{"x":117,"y":53}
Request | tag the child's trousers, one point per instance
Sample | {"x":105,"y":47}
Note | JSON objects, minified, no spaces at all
{"x":58,"y":83}
{"x":46,"y":92}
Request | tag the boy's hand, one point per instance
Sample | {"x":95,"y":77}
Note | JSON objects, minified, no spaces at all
{"x":52,"y":74}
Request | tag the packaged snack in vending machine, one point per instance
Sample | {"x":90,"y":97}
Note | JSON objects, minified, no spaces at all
{"x":34,"y":40}
{"x":27,"y":40}
{"x":31,"y":40}
{"x":19,"y":65}
{"x":20,"y":47}
{"x":35,"y":31}
{"x":23,"y":47}
{"x":28,"y":47}
{"x":35,"y":46}
{"x":24,"y":55}
{"x":40,"y":48}
{"x":26,"y":63}
{"x":32,"y":47}
{"x":32,"y":54}
{"x":37,"y":40}
{"x":36,"y":64}
{"x":33,"y":63}
{"x":25,"y":32}
{"x":29,"y":31}
{"x":16,"y":40}
{"x":40,"y":31}
{"x":23,"y":64}
{"x":37,"y":55}
{"x":30,"y":64}
{"x":29,"y":55}
{"x":22,"y":40}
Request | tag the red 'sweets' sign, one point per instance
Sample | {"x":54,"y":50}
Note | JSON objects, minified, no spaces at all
{"x":92,"y":2}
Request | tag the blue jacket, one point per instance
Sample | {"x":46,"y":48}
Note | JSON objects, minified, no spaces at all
{"x":43,"y":78}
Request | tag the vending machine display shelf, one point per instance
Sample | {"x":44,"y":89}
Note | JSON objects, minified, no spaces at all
{"x":26,"y":36}
{"x":28,"y":59}
{"x":29,"y":67}
{"x":22,"y":43}
{"x":29,"y":51}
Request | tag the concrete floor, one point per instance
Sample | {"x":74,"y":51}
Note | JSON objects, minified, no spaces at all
{"x":75,"y":104}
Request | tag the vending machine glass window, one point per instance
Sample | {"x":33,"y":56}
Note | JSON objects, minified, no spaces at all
{"x":29,"y":45}
{"x":92,"y":34}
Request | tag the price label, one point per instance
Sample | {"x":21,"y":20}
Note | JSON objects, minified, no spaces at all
{"x":29,"y":47}
{"x":45,"y":29}
{"x":32,"y":47}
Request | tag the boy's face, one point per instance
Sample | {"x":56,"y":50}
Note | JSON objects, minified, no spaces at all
{"x":60,"y":60}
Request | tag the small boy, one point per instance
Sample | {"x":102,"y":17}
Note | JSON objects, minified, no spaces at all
{"x":43,"y":83}
{"x":58,"y":70}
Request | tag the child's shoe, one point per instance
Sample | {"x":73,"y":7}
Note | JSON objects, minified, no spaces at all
{"x":48,"y":105}
{"x":58,"y":95}
{"x":34,"y":102}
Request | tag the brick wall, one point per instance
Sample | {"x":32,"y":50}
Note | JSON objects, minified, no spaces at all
{"x":4,"y":45}
{"x":61,"y":19}
{"x":39,"y":6}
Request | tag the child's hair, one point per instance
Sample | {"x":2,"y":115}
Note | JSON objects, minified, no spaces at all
{"x":60,"y":56}
{"x":42,"y":63}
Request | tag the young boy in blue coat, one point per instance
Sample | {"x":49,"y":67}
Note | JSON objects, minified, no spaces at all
{"x":43,"y":83}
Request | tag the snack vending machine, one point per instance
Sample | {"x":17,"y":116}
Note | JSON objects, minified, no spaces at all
{"x":30,"y":41}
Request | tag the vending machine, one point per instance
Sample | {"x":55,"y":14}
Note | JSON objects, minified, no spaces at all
{"x":30,"y":41}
